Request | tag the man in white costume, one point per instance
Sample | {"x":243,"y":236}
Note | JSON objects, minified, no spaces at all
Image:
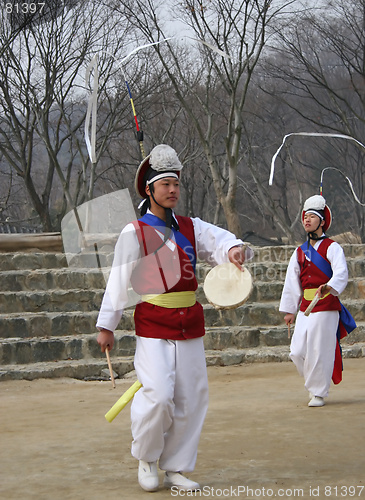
{"x":318,"y":267}
{"x":157,"y":255}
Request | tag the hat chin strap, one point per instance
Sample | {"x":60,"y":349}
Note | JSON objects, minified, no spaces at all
{"x":312,"y":235}
{"x":170,"y":221}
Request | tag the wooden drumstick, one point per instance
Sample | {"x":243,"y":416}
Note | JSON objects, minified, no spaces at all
{"x":288,"y":330}
{"x":312,"y":305}
{"x":315,"y":300}
{"x":110,"y":367}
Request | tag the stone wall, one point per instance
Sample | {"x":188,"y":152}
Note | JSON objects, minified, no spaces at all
{"x":50,"y":301}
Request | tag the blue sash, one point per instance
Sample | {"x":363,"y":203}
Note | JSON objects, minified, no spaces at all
{"x":324,"y":266}
{"x":317,"y":259}
{"x":181,"y":240}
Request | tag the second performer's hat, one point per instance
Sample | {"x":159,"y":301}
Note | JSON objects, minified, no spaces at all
{"x":317,"y":205}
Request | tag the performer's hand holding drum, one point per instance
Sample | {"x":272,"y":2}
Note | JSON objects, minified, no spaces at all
{"x":226,"y":287}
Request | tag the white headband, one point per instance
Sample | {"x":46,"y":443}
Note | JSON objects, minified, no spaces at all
{"x":162,"y":176}
{"x":314,"y":212}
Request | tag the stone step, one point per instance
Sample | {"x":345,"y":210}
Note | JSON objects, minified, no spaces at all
{"x":68,"y":347}
{"x":82,"y":369}
{"x":61,"y":296}
{"x":54,"y":260}
{"x":56,"y":301}
{"x":276,"y":271}
{"x":264,"y":313}
{"x":49,"y":324}
{"x":74,"y":347}
{"x":96,"y":369}
{"x":46,"y":324}
{"x":32,"y":260}
{"x":48,"y":260}
{"x":271,"y":291}
{"x":89,"y":298}
{"x":27,"y":280}
{"x":284,"y":252}
{"x":92,"y":278}
{"x":36,"y":349}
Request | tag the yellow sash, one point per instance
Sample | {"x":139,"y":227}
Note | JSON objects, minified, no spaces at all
{"x":171,"y":300}
{"x":309,"y":294}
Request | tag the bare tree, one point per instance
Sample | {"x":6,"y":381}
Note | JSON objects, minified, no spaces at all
{"x":210,"y":88}
{"x":43,"y":103}
{"x":321,"y":59}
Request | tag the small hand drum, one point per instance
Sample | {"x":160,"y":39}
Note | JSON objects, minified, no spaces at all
{"x":226,"y":287}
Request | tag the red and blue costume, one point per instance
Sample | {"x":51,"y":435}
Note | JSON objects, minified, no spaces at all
{"x":315,"y":347}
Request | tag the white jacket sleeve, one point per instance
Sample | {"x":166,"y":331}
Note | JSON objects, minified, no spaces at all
{"x":338,"y":262}
{"x":126,"y":256}
{"x":292,"y":293}
{"x":213,"y":243}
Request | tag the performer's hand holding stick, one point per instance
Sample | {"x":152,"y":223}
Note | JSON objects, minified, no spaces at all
{"x":110,"y":366}
{"x":319,"y":294}
{"x":289,"y":319}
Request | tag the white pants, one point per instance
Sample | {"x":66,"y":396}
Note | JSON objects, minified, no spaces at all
{"x":313,"y":348}
{"x":168,"y":412}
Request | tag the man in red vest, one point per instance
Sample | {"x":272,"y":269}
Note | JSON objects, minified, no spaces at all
{"x":318,"y":267}
{"x":157,"y":254}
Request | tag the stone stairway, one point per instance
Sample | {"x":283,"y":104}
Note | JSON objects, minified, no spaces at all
{"x":49,"y":303}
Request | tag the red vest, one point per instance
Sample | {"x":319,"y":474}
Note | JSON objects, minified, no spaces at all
{"x":167,"y":270}
{"x":312,"y":277}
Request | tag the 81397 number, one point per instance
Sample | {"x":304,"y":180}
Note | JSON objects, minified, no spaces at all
{"x":24,"y":8}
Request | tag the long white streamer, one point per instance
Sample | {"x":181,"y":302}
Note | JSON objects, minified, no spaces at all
{"x":211,"y":47}
{"x":93,"y":100}
{"x":92,"y":104}
{"x":92,"y":109}
{"x":348,"y":180}
{"x":134,"y":51}
{"x":137,"y":49}
{"x":308,"y":134}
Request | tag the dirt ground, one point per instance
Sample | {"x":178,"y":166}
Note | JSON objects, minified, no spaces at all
{"x":260,"y":439}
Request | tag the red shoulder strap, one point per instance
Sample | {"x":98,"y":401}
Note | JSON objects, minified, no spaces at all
{"x":187,"y":229}
{"x":140,"y":235}
{"x":323,"y":247}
